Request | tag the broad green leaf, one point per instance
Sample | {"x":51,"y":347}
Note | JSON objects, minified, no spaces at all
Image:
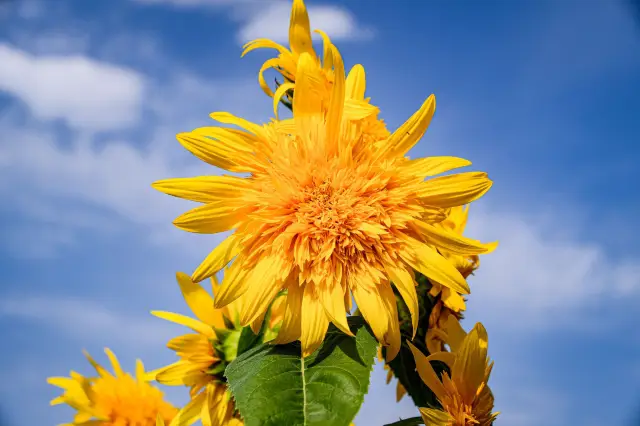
{"x":413,"y":421}
{"x":273,"y":386}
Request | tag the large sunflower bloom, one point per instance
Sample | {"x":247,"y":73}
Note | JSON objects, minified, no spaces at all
{"x":324,"y":215}
{"x":115,"y":399}
{"x":464,"y":394}
{"x":203,"y":356}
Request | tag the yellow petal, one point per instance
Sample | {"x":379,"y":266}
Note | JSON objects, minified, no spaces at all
{"x":400,"y":392}
{"x":159,"y":420}
{"x":280,"y":92}
{"x":199,"y":301}
{"x":468,"y":371}
{"x":393,"y":337}
{"x":227,"y":118}
{"x":333,"y":302}
{"x":308,"y":98}
{"x":190,"y":412}
{"x":234,"y":283}
{"x":141,"y":376}
{"x":299,"y":29}
{"x":263,"y":43}
{"x":427,"y":374}
{"x":453,"y":300}
{"x":211,"y":218}
{"x":271,"y":63}
{"x":455,"y":333}
{"x":372,"y":309}
{"x":430,"y":263}
{"x":407,"y":135}
{"x":193,"y":324}
{"x":452,"y":242}
{"x":431,"y":166}
{"x":358,"y":110}
{"x":336,"y":104}
{"x":101,"y":371}
{"x":114,"y":362}
{"x":327,"y":61}
{"x":356,"y":83}
{"x":290,"y":329}
{"x":314,"y":322}
{"x":217,"y":259}
{"x":262,"y":289}
{"x":204,"y":189}
{"x":210,"y":151}
{"x":179,"y":373}
{"x":433,"y":417}
{"x":406,"y":285}
{"x":454,"y":190}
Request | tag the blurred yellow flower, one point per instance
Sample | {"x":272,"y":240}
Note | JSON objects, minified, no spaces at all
{"x":115,"y":399}
{"x":203,"y":355}
{"x":464,"y":394}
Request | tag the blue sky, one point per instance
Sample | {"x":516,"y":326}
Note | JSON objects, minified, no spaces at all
{"x":543,"y":95}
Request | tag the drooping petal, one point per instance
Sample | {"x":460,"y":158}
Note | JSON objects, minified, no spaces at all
{"x":430,"y":263}
{"x":199,"y":301}
{"x":290,"y":329}
{"x":373,"y":309}
{"x":259,"y":295}
{"x":332,"y":298}
{"x":454,"y":190}
{"x":426,"y":372}
{"x":451,"y":241}
{"x":314,"y":322}
{"x":217,"y":259}
{"x":234,"y":283}
{"x":455,"y":333}
{"x":263,"y":43}
{"x":406,"y":285}
{"x":282,"y":90}
{"x":393,"y":337}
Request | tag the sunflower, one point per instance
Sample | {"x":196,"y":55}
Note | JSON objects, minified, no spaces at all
{"x":115,"y":399}
{"x":324,"y":215}
{"x":203,"y":355}
{"x":464,"y":395}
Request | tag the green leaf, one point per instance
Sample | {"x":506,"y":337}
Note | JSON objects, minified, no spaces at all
{"x":413,"y":421}
{"x":248,"y":340}
{"x":273,"y":385}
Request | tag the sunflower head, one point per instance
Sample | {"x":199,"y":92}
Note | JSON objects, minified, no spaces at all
{"x":113,"y":399}
{"x":464,"y":394}
{"x":204,"y":354}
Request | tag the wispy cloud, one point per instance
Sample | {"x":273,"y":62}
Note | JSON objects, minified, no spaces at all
{"x":85,"y":319}
{"x":85,"y":93}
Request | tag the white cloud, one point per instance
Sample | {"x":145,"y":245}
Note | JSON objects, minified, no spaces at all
{"x":273,"y":22}
{"x":86,"y":320}
{"x":541,"y":275}
{"x":85,"y":93}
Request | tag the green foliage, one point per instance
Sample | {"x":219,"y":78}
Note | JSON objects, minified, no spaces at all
{"x":273,"y":385}
{"x":413,"y":421}
{"x":404,"y":366}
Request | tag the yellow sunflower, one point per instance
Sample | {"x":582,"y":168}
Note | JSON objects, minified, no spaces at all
{"x":203,"y":355}
{"x":324,"y":215}
{"x":464,"y":394}
{"x":115,"y":399}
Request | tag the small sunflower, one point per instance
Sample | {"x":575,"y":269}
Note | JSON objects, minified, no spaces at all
{"x":203,"y":355}
{"x":115,"y":399}
{"x":464,"y":394}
